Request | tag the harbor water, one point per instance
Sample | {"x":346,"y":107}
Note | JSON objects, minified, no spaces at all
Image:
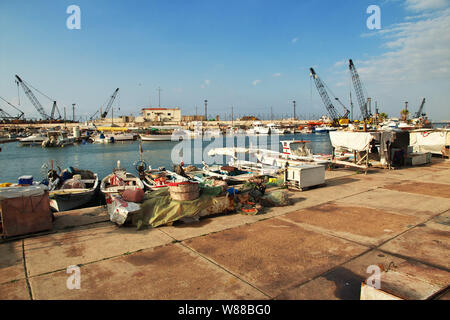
{"x":16,"y":160}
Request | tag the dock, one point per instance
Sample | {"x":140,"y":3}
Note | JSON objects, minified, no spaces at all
{"x":318,"y":248}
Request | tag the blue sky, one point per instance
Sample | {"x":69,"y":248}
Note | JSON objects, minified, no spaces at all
{"x":252,"y":54}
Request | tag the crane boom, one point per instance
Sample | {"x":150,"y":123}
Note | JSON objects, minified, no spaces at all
{"x":419,"y":113}
{"x":359,"y":90}
{"x":21,"y":112}
{"x":33,"y":99}
{"x":111,"y":100}
{"x":324,"y":95}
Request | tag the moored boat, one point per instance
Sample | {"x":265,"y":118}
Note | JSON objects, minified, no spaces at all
{"x":71,"y":188}
{"x":120,"y":180}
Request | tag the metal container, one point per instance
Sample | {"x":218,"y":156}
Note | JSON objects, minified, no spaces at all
{"x":302,"y":177}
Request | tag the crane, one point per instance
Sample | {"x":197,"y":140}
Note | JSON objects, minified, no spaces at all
{"x":359,"y":90}
{"x":326,"y":99}
{"x":5,"y":115}
{"x":36,"y":102}
{"x":420,"y":112}
{"x":111,"y":100}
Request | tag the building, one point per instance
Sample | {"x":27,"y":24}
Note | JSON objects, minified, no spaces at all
{"x":162,"y":114}
{"x":192,"y":118}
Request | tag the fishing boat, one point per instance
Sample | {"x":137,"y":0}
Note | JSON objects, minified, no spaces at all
{"x":232,"y":175}
{"x":71,"y":188}
{"x":120,"y":180}
{"x":57,"y":139}
{"x":164,"y":134}
{"x":276,"y":129}
{"x":33,"y":140}
{"x":155,"y":179}
{"x":258,"y":128}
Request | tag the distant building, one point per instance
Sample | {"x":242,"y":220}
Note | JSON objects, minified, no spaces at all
{"x":162,"y":114}
{"x":192,"y":118}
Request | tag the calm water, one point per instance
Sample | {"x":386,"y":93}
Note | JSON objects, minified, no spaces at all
{"x":16,"y":161}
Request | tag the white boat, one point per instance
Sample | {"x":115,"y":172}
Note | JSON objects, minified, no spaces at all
{"x":56,"y":139}
{"x":120,"y":180}
{"x":325,"y":128}
{"x":258,"y":128}
{"x":112,"y":138}
{"x":276,"y":129}
{"x":75,"y":192}
{"x":33,"y":140}
{"x":221,"y":172}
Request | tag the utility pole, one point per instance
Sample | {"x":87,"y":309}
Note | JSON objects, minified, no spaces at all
{"x":232,"y":116}
{"x":206,"y":110}
{"x":159,"y":97}
{"x":73,"y":112}
{"x":295,"y":115}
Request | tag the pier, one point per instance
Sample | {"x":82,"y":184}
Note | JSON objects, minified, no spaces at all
{"x":318,"y":248}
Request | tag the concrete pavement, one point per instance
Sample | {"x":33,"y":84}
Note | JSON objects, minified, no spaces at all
{"x":318,"y":248}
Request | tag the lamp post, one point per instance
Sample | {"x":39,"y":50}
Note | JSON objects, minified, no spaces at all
{"x":295,"y":115}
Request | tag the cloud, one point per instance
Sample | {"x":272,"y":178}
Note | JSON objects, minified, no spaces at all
{"x":415,"y":51}
{"x":420,"y":5}
{"x":205,"y":84}
{"x":256,"y":82}
{"x":415,"y":62}
{"x":294,"y":40}
{"x":276,"y":74}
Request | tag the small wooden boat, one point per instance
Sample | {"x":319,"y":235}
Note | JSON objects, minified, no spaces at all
{"x":155,"y":179}
{"x":227,"y":173}
{"x":120,"y":180}
{"x":72,"y":188}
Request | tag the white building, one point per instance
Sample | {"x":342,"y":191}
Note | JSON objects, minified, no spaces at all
{"x":162,"y":114}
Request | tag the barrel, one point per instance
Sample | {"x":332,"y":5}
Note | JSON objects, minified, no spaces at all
{"x":184,"y":191}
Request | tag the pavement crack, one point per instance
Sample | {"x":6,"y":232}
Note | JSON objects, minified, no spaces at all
{"x":27,"y":281}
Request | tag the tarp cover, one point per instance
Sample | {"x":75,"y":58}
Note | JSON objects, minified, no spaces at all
{"x":159,"y":208}
{"x":355,"y":141}
{"x":429,"y":141}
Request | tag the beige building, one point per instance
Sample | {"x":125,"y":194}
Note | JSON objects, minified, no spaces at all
{"x":162,"y":114}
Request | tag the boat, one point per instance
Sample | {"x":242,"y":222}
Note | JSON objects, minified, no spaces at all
{"x":258,"y":128}
{"x":276,"y":129}
{"x":56,"y":139}
{"x":72,"y":188}
{"x":33,"y":140}
{"x":157,"y":134}
{"x":325,"y":129}
{"x":232,"y":175}
{"x":120,"y":180}
{"x":113,"y":137}
{"x":155,"y":179}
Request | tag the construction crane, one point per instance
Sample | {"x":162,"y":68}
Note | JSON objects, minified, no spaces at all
{"x":109,"y":105}
{"x":420,"y":112}
{"x":359,"y":91}
{"x":6,"y":116}
{"x":36,"y":102}
{"x":335,"y":116}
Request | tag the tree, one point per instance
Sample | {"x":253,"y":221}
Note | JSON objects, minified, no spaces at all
{"x":404,"y":114}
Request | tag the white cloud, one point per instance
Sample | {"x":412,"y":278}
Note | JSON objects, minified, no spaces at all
{"x":205,"y":84}
{"x":294,"y":40}
{"x":256,"y":82}
{"x":276,"y":74}
{"x":415,"y":63}
{"x":420,"y":5}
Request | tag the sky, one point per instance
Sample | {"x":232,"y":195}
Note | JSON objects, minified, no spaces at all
{"x":253,"y":55}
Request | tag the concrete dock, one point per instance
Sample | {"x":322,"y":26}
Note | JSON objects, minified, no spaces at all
{"x":318,"y":248}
